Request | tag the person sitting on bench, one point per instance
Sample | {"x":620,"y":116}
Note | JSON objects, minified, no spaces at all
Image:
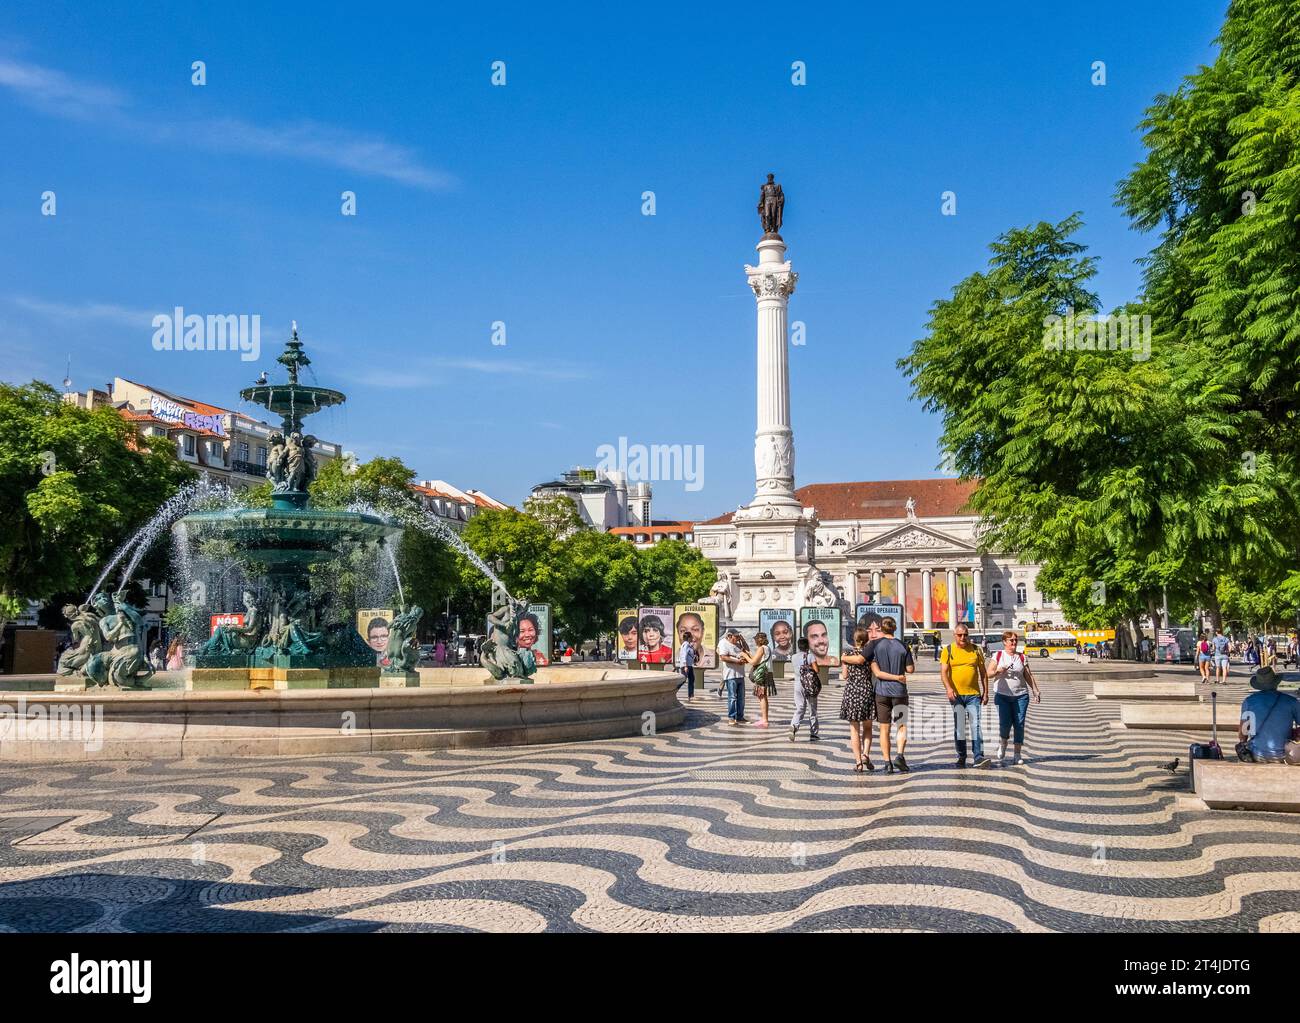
{"x":1267,"y":720}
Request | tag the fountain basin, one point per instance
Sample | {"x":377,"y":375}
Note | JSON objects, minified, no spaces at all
{"x":607,"y":703}
{"x":290,"y":536}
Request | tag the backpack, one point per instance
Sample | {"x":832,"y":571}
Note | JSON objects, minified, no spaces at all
{"x":810,"y":679}
{"x":762,"y":673}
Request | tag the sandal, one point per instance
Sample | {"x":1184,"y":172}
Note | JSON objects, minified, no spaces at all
{"x":857,"y":768}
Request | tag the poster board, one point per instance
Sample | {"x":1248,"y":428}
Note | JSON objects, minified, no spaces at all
{"x":700,"y":621}
{"x":782,"y":631}
{"x":822,"y":628}
{"x":626,"y":634}
{"x":655,"y":645}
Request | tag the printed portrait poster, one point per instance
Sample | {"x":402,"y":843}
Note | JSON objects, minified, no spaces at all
{"x":821,"y":627}
{"x":373,"y":625}
{"x":627,"y":635}
{"x":700,"y":622}
{"x":782,"y":632}
{"x":865,"y":614}
{"x":535,"y":633}
{"x":656,"y":627}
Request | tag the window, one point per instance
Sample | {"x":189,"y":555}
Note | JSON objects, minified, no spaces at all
{"x":1021,"y":597}
{"x":640,"y":538}
{"x":996,"y":595}
{"x":243,"y":451}
{"x":261,"y":455}
{"x":839,"y":541}
{"x":689,"y":538}
{"x":189,"y":444}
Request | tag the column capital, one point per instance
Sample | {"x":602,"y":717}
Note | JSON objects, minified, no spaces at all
{"x":769,"y":283}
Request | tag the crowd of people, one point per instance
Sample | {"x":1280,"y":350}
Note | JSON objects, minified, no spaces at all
{"x":876,"y":668}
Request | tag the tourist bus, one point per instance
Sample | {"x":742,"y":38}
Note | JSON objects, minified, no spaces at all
{"x":1050,"y":644}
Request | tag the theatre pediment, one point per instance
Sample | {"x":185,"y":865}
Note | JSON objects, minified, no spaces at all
{"x":913,"y":538}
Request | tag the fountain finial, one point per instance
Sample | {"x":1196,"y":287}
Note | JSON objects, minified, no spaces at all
{"x":293,"y":357}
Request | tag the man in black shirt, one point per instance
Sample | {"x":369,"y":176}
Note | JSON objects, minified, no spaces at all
{"x":891,"y":662}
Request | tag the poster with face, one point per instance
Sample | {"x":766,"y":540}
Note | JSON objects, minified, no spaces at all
{"x":627,"y":634}
{"x":656,"y":644}
{"x":866,"y":614}
{"x":778,"y":623}
{"x":535,"y":633}
{"x":821,"y":627}
{"x":373,"y":626}
{"x":700,"y":623}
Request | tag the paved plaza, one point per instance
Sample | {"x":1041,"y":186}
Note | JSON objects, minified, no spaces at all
{"x":706,"y":828}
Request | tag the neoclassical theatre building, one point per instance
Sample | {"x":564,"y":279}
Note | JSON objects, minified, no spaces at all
{"x":909,"y":542}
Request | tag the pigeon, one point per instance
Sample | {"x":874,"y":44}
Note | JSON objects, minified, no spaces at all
{"x":1171,"y":766}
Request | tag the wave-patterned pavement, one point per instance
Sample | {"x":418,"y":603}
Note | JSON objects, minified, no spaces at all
{"x":707,"y":828}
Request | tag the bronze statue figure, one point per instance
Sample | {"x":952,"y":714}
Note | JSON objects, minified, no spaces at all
{"x":500,"y":652}
{"x":771,"y":206}
{"x":403,"y":650}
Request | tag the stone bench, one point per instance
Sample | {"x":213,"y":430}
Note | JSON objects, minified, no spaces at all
{"x":1108,"y":689}
{"x":1188,"y":717}
{"x":1228,"y":785}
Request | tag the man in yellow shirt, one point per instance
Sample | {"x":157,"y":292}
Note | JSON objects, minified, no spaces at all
{"x":961,"y":667}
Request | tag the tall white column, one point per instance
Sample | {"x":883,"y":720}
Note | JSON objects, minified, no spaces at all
{"x":927,"y":609}
{"x":773,"y":282}
{"x":977,"y":580}
{"x":953,"y":613}
{"x":902,"y":599}
{"x":875,"y":585}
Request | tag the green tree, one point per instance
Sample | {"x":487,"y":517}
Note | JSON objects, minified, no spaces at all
{"x":74,"y":485}
{"x":1221,"y":182}
{"x":557,"y":513}
{"x":673,"y":572}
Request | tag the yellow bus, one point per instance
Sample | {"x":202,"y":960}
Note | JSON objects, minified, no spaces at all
{"x":1050,"y":644}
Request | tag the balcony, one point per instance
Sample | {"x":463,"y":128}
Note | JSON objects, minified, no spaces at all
{"x":248,"y":468}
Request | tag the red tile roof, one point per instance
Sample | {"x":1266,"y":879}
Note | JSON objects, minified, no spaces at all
{"x":881,"y":499}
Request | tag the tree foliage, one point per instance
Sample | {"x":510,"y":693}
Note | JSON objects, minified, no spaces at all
{"x":74,"y":485}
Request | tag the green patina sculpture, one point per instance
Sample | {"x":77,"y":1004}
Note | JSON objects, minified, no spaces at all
{"x":403,"y":649}
{"x":121,"y":661}
{"x":86,"y":639}
{"x":500,"y":652}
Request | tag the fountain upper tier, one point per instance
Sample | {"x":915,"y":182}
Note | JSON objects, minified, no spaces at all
{"x":290,"y":536}
{"x":293,"y":400}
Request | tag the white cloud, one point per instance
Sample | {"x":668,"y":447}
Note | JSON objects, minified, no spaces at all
{"x":65,"y":313}
{"x":55,"y":93}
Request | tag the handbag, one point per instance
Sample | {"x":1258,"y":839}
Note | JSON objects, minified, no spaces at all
{"x":762,"y":677}
{"x":810,"y":679}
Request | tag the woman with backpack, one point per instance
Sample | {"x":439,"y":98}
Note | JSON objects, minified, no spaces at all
{"x":807,"y":687}
{"x":858,"y":706}
{"x":1203,"y":657}
{"x":1015,"y":684}
{"x":761,"y":675}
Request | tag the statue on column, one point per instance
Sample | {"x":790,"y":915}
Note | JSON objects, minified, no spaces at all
{"x":771,"y":206}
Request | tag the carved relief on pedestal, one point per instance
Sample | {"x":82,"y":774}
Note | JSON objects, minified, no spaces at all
{"x":773,"y":460}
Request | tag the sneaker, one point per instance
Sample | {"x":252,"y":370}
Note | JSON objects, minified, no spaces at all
{"x":813,"y":736}
{"x":760,"y":724}
{"x":961,"y":762}
{"x":889,"y":767}
{"x":1020,"y":762}
{"x":793,"y":733}
{"x":901,"y":764}
{"x":982,"y":762}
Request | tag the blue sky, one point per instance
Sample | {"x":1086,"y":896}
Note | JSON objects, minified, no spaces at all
{"x":522,"y":204}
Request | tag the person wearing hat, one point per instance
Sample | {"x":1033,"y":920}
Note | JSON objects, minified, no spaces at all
{"x":1267,"y":719}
